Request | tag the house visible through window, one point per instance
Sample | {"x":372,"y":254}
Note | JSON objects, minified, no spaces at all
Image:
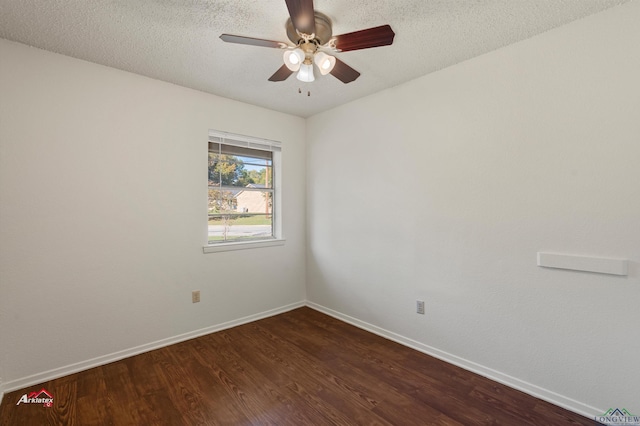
{"x":242,"y":188}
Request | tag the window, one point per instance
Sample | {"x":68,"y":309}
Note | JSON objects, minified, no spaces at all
{"x":243,"y":189}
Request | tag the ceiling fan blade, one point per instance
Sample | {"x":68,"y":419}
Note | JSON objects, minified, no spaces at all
{"x":344,"y":72}
{"x":302,"y":15}
{"x":282,"y":74}
{"x":364,"y":39}
{"x":230,"y":38}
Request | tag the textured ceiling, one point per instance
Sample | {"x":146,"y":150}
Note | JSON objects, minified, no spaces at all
{"x":177,"y":40}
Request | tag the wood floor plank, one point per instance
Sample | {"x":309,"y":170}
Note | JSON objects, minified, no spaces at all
{"x":267,"y":396}
{"x":214,"y":403}
{"x":324,"y":375}
{"x":301,"y":374}
{"x":298,"y":368}
{"x":386,"y":370}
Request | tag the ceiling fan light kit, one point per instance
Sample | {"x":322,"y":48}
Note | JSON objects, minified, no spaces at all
{"x":311,"y":34}
{"x":306,"y":73}
{"x":301,"y":60}
{"x":325,"y":62}
{"x":293,"y":59}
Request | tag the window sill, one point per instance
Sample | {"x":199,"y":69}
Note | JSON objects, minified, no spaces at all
{"x":244,"y":245}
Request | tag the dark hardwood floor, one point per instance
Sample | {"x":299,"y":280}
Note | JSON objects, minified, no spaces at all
{"x":298,"y":368}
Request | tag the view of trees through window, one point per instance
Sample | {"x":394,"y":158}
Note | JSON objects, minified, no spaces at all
{"x":240,"y":193}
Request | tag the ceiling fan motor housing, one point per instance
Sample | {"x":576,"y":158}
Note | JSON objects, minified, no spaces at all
{"x":323,"y":30}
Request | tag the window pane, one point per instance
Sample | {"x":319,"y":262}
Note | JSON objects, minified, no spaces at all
{"x":263,"y":162}
{"x":240,"y":171}
{"x":222,"y":201}
{"x":238,"y":227}
{"x":253,"y":202}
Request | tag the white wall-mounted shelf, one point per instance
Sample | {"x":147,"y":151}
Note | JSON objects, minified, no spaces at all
{"x":583,"y":263}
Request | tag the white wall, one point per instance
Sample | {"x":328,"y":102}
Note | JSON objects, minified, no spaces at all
{"x":444,"y":189}
{"x":103,"y":214}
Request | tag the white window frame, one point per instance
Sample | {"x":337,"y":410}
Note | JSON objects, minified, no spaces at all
{"x":265,"y":145}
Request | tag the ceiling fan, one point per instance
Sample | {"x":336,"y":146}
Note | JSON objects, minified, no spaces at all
{"x":313,"y":41}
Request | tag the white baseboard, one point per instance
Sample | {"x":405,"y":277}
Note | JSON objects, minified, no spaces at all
{"x":116,"y":356}
{"x":528,"y":388}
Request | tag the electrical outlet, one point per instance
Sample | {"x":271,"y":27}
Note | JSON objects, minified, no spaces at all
{"x":420,"y":307}
{"x":195,"y":296}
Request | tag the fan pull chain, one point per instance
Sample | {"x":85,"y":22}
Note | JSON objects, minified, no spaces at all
{"x":308,"y":91}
